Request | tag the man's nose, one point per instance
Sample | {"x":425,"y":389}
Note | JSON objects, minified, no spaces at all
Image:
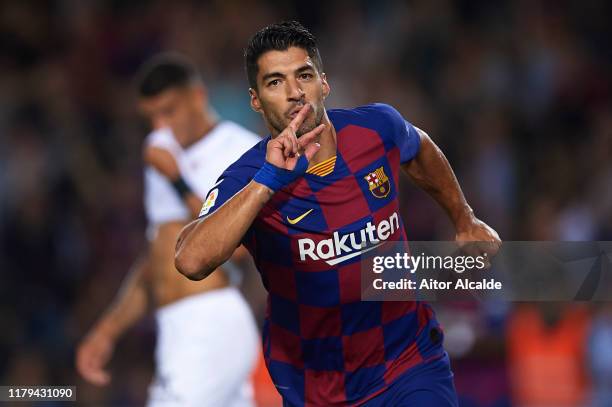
{"x":294,"y":91}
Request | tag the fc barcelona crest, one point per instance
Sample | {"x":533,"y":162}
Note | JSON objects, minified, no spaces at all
{"x":379,"y":183}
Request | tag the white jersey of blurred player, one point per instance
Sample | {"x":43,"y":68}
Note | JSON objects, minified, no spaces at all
{"x":207,"y":342}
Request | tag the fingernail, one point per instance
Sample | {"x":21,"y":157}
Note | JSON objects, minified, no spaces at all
{"x":317,"y":144}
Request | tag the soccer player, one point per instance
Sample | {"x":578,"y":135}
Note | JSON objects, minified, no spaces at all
{"x":207,"y":339}
{"x":306,"y":201}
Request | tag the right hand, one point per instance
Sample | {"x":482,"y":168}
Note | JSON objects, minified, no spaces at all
{"x":163,"y":161}
{"x":92,"y":355}
{"x":284,"y":150}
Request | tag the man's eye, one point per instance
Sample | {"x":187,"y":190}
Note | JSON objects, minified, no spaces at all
{"x":306,"y":76}
{"x":274,"y":82}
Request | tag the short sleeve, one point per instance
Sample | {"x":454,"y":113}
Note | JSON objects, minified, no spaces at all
{"x":403,"y":134}
{"x":223,"y":190}
{"x":234,"y":178}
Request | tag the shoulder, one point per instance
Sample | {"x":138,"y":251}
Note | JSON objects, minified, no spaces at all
{"x":235,"y":177}
{"x":250,"y":162}
{"x":238,"y":132}
{"x":372,"y":109}
{"x":253,"y":148}
{"x":375,"y":116}
{"x":384,"y":111}
{"x":380,"y":113}
{"x":226,"y":142}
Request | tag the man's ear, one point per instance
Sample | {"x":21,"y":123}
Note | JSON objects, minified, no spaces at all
{"x":255,"y":102}
{"x":325,"y":85}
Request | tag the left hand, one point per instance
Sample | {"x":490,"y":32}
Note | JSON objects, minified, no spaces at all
{"x":92,"y":355}
{"x":485,"y":238}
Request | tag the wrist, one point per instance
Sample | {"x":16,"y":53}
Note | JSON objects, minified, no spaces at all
{"x":107,"y":329}
{"x":263,"y":192}
{"x":275,"y":178}
{"x":464,"y":219}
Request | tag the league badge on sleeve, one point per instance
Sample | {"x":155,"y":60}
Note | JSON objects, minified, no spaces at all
{"x":378,"y":182}
{"x":210,"y":201}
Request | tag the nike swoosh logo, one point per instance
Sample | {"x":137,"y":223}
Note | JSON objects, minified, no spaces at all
{"x":299,"y":218}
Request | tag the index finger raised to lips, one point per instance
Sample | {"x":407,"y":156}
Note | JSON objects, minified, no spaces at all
{"x":299,"y":118}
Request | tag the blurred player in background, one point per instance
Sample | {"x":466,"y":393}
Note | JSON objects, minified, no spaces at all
{"x":207,"y":340}
{"x":306,"y":202}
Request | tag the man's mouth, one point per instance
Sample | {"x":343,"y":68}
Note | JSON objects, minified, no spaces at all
{"x":294,"y":112}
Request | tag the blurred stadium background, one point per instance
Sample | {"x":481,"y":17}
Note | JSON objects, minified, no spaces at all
{"x":517,"y":93}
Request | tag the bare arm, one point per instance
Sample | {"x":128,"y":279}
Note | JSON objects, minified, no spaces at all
{"x":205,"y":244}
{"x":129,"y":306}
{"x":431,"y":171}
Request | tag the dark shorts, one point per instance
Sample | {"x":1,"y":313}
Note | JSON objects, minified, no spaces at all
{"x":428,"y":386}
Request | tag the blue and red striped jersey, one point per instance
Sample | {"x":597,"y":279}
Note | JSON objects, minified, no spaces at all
{"x":322,"y":344}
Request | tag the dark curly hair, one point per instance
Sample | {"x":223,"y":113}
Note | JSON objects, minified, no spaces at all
{"x":279,"y":37}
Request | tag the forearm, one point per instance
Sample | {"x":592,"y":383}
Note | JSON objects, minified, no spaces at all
{"x":207,"y":243}
{"x":130,"y":303}
{"x":431,"y":171}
